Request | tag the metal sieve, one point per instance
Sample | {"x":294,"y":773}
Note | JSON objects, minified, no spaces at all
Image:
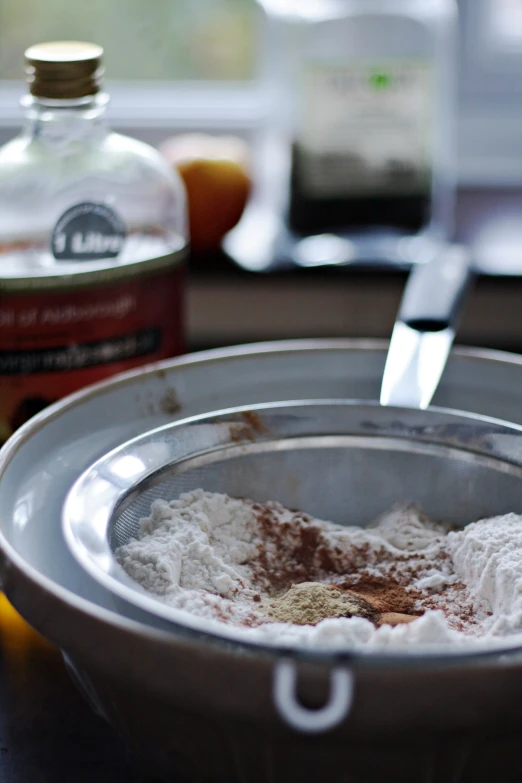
{"x":346,"y":462}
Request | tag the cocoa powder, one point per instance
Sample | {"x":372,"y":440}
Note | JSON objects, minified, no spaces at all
{"x":297,"y":551}
{"x":384,"y":593}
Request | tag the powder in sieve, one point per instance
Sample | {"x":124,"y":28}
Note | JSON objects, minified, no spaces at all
{"x":243,"y":563}
{"x":310,"y":602}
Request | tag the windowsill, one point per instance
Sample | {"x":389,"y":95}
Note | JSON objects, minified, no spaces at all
{"x":161,"y":105}
{"x":228,"y":305}
{"x":488,"y":135}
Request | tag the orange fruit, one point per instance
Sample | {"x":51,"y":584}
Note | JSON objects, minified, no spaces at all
{"x":216,"y":174}
{"x":15,"y":634}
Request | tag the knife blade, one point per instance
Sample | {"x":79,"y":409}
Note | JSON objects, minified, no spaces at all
{"x":425,"y":328}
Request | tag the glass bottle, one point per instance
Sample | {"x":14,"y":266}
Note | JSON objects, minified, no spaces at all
{"x":363,"y":109}
{"x":93,"y":232}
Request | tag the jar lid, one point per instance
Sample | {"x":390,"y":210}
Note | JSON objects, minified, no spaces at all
{"x":64,"y":70}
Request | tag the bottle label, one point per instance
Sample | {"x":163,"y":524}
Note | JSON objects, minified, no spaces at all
{"x":88,"y":232}
{"x":366,"y":128}
{"x":54,"y":342}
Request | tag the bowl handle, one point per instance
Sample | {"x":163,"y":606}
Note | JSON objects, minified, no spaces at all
{"x":312,"y":721}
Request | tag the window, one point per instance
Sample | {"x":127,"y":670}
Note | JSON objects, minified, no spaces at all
{"x":171,"y":64}
{"x":490,"y":91}
{"x":491,"y":45}
{"x":191,"y":64}
{"x":505,"y":17}
{"x":143,"y":39}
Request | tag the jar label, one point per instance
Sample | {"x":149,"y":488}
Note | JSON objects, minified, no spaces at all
{"x":88,"y":232}
{"x":365,"y":128}
{"x":55,"y":342}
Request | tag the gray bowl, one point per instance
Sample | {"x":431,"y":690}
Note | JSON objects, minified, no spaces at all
{"x":204,"y":710}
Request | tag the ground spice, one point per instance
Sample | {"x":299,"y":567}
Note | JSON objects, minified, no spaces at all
{"x":310,"y":602}
{"x":298,"y":551}
{"x":384,"y":593}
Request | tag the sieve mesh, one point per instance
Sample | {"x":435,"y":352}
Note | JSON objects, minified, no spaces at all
{"x":349,"y":486}
{"x":126,"y":520}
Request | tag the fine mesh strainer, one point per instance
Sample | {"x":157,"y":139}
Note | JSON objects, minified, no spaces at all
{"x":346,"y":462}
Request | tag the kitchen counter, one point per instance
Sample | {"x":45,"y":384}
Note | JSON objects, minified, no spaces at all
{"x":229,"y":305}
{"x":48,"y":733}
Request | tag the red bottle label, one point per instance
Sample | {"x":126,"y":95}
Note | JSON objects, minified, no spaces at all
{"x":55,"y":342}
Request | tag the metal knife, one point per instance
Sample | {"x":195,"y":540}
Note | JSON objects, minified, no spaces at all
{"x":425,"y":328}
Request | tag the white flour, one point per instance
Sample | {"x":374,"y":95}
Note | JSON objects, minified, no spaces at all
{"x":223,"y":559}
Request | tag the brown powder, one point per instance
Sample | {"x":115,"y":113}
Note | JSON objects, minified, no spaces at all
{"x":310,"y":602}
{"x":384,"y":593}
{"x":253,"y":420}
{"x":456,"y":601}
{"x":169,"y":403}
{"x":298,"y":550}
{"x":248,"y":429}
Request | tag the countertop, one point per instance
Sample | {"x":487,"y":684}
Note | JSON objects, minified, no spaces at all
{"x":48,"y":733}
{"x":228,"y":305}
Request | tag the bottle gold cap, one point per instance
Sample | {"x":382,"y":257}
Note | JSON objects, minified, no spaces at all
{"x":64,"y":70}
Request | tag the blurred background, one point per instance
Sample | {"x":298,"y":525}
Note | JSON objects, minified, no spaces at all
{"x":195,"y":66}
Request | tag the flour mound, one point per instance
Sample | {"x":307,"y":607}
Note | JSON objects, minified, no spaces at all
{"x":231,"y":561}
